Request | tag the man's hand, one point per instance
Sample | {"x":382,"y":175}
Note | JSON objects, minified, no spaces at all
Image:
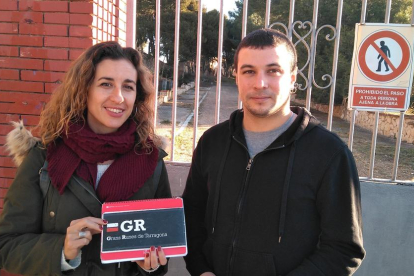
{"x":79,"y":234}
{"x":208,"y":274}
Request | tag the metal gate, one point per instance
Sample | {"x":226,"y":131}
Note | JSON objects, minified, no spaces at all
{"x":303,"y":33}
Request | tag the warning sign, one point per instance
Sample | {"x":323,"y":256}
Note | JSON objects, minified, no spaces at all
{"x":381,"y":74}
{"x":379,"y":97}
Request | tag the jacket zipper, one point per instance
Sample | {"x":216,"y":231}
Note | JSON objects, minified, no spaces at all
{"x":249,"y":164}
{"x":248,"y":167}
{"x":233,"y":244}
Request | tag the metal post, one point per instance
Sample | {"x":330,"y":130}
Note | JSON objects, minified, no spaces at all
{"x":402,"y":114}
{"x":198,"y":66}
{"x":388,"y":12}
{"x":267,"y":15}
{"x":353,"y":112}
{"x":244,"y":22}
{"x":291,"y":15}
{"x":398,"y":146}
{"x":175,"y":76}
{"x":157,"y":57}
{"x":363,"y":11}
{"x":375,"y":132}
{"x":412,"y":14}
{"x":335,"y":64}
{"x":219,"y":62}
{"x":131,"y":23}
{"x":373,"y":146}
{"x":244,"y":27}
{"x":312,"y":53}
{"x":351,"y":130}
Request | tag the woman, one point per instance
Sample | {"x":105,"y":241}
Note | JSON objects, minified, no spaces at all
{"x":99,"y":146}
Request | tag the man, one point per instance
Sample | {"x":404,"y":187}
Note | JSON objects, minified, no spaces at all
{"x":271,"y":192}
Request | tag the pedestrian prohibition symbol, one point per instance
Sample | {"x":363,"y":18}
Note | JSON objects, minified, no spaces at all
{"x":384,"y":56}
{"x":382,"y":67}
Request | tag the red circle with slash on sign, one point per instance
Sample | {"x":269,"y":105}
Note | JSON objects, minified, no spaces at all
{"x":395,"y":71}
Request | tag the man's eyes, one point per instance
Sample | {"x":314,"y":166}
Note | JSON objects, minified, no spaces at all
{"x":248,"y":72}
{"x":275,"y":71}
{"x":270,"y":71}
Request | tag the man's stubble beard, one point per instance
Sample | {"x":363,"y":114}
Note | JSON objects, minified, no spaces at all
{"x":266,"y":113}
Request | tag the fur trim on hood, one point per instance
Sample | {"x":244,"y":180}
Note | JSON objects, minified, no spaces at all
{"x":19,"y":141}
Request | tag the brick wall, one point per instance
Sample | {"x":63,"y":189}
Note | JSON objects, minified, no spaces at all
{"x":38,"y":41}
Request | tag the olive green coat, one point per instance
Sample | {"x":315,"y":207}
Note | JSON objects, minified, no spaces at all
{"x":32,"y":229}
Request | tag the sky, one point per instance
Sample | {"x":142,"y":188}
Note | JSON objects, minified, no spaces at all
{"x":228,"y":5}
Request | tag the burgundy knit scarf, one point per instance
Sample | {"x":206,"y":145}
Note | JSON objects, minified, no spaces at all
{"x":82,"y":149}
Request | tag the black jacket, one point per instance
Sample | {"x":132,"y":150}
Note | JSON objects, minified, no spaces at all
{"x":32,"y":229}
{"x":294,"y":209}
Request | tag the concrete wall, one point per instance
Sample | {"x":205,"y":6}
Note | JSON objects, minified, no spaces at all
{"x":388,"y":218}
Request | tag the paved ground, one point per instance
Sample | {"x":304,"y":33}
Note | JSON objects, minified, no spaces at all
{"x":176,"y":267}
{"x":207,"y":97}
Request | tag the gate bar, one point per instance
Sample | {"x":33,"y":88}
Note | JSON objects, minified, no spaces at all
{"x":175,"y":75}
{"x":291,"y":16}
{"x":131,"y":31}
{"x":267,"y":15}
{"x":398,"y":146}
{"x":351,"y":130}
{"x":335,"y":64}
{"x":198,"y":66}
{"x":353,"y":112}
{"x":157,"y":57}
{"x":375,"y":132}
{"x":400,"y":123}
{"x":412,"y":14}
{"x":363,"y":11}
{"x":219,"y":62}
{"x":388,"y":12}
{"x":373,"y":146}
{"x":312,"y":53}
{"x":244,"y":27}
{"x":244,"y":22}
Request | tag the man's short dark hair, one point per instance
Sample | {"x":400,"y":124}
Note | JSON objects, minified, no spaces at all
{"x":264,"y":38}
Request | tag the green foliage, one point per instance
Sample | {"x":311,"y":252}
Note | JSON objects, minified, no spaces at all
{"x":188,"y":31}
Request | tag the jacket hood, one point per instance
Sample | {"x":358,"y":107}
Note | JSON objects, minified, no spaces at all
{"x":19,"y":141}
